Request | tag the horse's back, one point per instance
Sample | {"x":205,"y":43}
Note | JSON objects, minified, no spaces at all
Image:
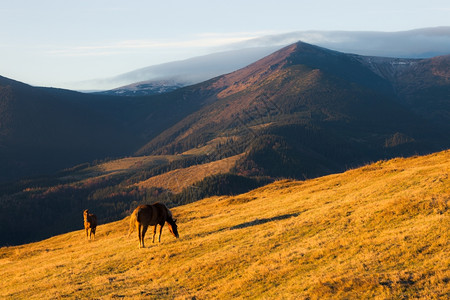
{"x":90,"y":220}
{"x":145,"y":214}
{"x":93,"y":220}
{"x":151,"y":214}
{"x":161,"y":211}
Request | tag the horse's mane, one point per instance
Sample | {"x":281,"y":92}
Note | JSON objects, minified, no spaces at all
{"x":169,"y":213}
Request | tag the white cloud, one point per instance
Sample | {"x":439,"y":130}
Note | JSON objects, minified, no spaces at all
{"x":204,"y":40}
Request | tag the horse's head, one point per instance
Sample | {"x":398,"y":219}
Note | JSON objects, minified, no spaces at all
{"x":85,"y":214}
{"x":173,"y":228}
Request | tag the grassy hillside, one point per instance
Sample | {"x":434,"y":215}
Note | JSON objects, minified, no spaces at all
{"x":380,"y":231}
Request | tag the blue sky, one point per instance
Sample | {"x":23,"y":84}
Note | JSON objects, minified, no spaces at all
{"x":55,"y":42}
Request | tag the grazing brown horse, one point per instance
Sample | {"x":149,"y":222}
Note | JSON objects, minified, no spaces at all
{"x":90,"y":224}
{"x":152,"y":215}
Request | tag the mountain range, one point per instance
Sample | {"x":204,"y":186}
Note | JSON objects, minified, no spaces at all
{"x":301,"y":112}
{"x":309,"y":88}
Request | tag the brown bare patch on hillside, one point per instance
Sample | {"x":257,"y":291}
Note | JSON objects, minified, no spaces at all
{"x":122,"y":165}
{"x":246,"y":77}
{"x":210,"y":146}
{"x":177,"y":180}
{"x":132,"y":163}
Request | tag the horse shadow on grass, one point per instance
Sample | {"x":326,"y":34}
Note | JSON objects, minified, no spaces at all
{"x":246,"y":224}
{"x":263,"y":221}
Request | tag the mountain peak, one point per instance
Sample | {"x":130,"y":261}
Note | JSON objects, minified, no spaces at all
{"x":304,"y":55}
{"x":301,"y":46}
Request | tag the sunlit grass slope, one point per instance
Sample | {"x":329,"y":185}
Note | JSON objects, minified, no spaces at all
{"x":380,"y":231}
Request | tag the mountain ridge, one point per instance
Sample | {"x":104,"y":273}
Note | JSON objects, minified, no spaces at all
{"x":41,"y":125}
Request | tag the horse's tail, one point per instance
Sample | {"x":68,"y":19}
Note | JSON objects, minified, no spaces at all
{"x":132,"y":223}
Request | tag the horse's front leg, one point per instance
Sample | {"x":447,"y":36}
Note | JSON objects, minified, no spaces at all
{"x":160,"y":231}
{"x":154,"y":233}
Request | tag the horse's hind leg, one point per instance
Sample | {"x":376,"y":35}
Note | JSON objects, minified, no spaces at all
{"x":139,"y":227}
{"x":93,"y":233}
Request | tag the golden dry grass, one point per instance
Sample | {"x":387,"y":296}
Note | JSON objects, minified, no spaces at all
{"x":378,"y":232}
{"x":178,"y":179}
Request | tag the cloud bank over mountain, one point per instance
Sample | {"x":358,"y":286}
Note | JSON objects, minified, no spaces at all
{"x":188,"y":71}
{"x":420,"y":43}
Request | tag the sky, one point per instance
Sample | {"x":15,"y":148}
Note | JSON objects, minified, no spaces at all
{"x":58,"y":42}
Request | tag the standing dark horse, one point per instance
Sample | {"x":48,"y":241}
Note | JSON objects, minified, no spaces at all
{"x":152,"y":215}
{"x":90,"y":224}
